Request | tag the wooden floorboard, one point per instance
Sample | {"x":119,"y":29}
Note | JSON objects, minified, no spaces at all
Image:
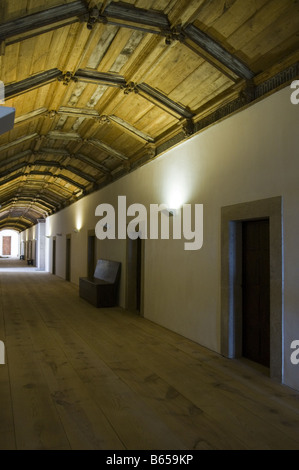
{"x":78,"y":377}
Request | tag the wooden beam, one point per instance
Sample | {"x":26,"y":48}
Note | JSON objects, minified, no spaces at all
{"x":131,"y":129}
{"x":50,"y":16}
{"x":29,"y":198}
{"x":58,"y":135}
{"x":54,"y":151}
{"x":36,"y":81}
{"x":78,"y":156}
{"x":31,"y":115}
{"x":21,"y":140}
{"x":60,"y":175}
{"x":20,"y":226}
{"x":69,"y":168}
{"x":109,"y":79}
{"x":107,"y":148}
{"x":78,"y":112}
{"x":160,"y":98}
{"x":27,"y":203}
{"x":129,"y":13}
{"x":42,"y":173}
{"x":14,"y":158}
{"x":91,"y":162}
{"x":218,"y":52}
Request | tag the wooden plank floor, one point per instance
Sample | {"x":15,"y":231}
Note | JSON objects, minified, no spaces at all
{"x":77,"y":377}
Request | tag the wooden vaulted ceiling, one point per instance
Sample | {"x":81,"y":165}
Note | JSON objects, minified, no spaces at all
{"x":101,"y":88}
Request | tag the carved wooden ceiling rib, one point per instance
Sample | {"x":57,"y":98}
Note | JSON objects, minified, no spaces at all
{"x":101,"y":88}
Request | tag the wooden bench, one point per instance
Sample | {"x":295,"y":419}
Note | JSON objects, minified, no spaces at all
{"x":102,"y":289}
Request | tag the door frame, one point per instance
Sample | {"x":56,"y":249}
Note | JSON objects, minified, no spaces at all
{"x":68,"y":257}
{"x":131,"y":275}
{"x":231,"y":278}
{"x":54,"y":248}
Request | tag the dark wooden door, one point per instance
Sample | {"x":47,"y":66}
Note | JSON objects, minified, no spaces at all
{"x":256,"y":291}
{"x":134,"y":275}
{"x":6,"y":246}
{"x":54,"y":257}
{"x":138,"y":274}
{"x":91,"y":255}
{"x":68,"y":260}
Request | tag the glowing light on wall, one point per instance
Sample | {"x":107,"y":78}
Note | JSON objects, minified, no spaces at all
{"x":176,"y":189}
{"x":176,"y":198}
{"x":79,"y":222}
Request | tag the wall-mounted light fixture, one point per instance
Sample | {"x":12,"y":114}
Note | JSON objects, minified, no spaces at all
{"x":59,"y":234}
{"x":169,"y":212}
{"x":76,"y":230}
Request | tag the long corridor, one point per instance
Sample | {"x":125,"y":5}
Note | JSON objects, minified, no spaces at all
{"x":77,"y":377}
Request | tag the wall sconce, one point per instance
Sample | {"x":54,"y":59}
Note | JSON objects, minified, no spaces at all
{"x":76,"y":230}
{"x":59,"y":234}
{"x":170,"y":212}
{"x":48,"y":236}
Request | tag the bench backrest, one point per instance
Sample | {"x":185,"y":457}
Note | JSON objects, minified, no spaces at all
{"x":107,"y":270}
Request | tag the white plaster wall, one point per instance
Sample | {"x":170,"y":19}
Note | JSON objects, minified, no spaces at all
{"x":29,"y":235}
{"x":250,"y":156}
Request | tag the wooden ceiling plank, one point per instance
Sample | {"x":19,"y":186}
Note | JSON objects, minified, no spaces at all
{"x":260,"y":21}
{"x":272,"y":39}
{"x":174,"y":69}
{"x":54,"y":52}
{"x":9,"y":64}
{"x":97,"y":54}
{"x":211,"y":10}
{"x":128,"y":52}
{"x":96,"y":96}
{"x":39,"y":60}
{"x":234,"y":17}
{"x":150,"y":51}
{"x":185,"y":11}
{"x":131,"y":109}
{"x":209,"y":80}
{"x":79,"y":48}
{"x":120,"y":43}
{"x":218,"y":52}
